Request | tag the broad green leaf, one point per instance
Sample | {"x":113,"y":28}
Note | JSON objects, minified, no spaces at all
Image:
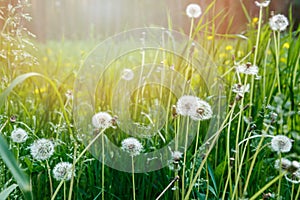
{"x":8,"y":158}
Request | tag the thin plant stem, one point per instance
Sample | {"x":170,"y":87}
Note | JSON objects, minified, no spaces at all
{"x":214,"y":140}
{"x":266,"y":186}
{"x":254,"y":160}
{"x":279,"y":181}
{"x":78,"y":158}
{"x":170,"y":184}
{"x":49,"y":176}
{"x":133,"y":183}
{"x":195,"y":152}
{"x":73,"y":169}
{"x":184,"y":158}
{"x":102,"y":170}
{"x":277,"y":55}
{"x":298,"y":193}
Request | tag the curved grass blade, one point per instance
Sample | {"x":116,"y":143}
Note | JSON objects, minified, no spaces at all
{"x":5,"y":193}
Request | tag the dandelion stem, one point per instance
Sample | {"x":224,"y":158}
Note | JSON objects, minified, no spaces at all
{"x":298,"y":193}
{"x":102,"y":175}
{"x":133,"y":183}
{"x":214,"y":140}
{"x":78,"y":158}
{"x":184,"y":158}
{"x":195,"y":153}
{"x":49,"y":175}
{"x":73,"y":168}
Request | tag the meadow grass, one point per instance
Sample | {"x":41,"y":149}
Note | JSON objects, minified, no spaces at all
{"x":234,"y":162}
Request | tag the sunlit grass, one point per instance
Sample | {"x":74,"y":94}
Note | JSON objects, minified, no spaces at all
{"x":235,"y":162}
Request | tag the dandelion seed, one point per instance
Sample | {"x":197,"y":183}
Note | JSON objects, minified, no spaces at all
{"x":247,"y":68}
{"x":63,"y":171}
{"x":278,"y":22}
{"x":102,"y":120}
{"x":262,"y":4}
{"x":240,"y":89}
{"x":281,"y":143}
{"x":42,"y":149}
{"x":193,"y":10}
{"x":282,"y":163}
{"x":19,"y":135}
{"x":132,"y":146}
{"x":127,"y":74}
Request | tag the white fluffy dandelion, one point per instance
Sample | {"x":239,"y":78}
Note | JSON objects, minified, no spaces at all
{"x":132,"y":146}
{"x":203,"y":111}
{"x":247,"y":68}
{"x":19,"y":135}
{"x":281,"y":143}
{"x":102,"y":120}
{"x":127,"y":74}
{"x":262,"y":4}
{"x":278,"y":22}
{"x":283,"y":164}
{"x":187,"y":105}
{"x":293,"y":177}
{"x":42,"y":149}
{"x":62,"y":171}
{"x":193,"y":10}
{"x":193,"y":107}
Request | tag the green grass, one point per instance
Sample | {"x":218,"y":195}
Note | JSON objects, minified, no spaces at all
{"x":234,"y":162}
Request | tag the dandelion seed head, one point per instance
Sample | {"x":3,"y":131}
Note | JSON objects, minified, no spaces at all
{"x":193,"y":10}
{"x":293,"y":177}
{"x":19,"y":135}
{"x":278,"y":22}
{"x":127,"y":74}
{"x":194,"y":107}
{"x":247,"y":68}
{"x":282,"y":163}
{"x":132,"y":146}
{"x":102,"y":120}
{"x":240,"y":89}
{"x":295,"y":164}
{"x":281,"y":143}
{"x":262,"y":4}
{"x":187,"y":105}
{"x":176,"y":156}
{"x":203,"y":112}
{"x":42,"y":149}
{"x":62,"y":171}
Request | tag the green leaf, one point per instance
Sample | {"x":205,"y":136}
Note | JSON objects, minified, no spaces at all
{"x":8,"y":158}
{"x":4,"y":194}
